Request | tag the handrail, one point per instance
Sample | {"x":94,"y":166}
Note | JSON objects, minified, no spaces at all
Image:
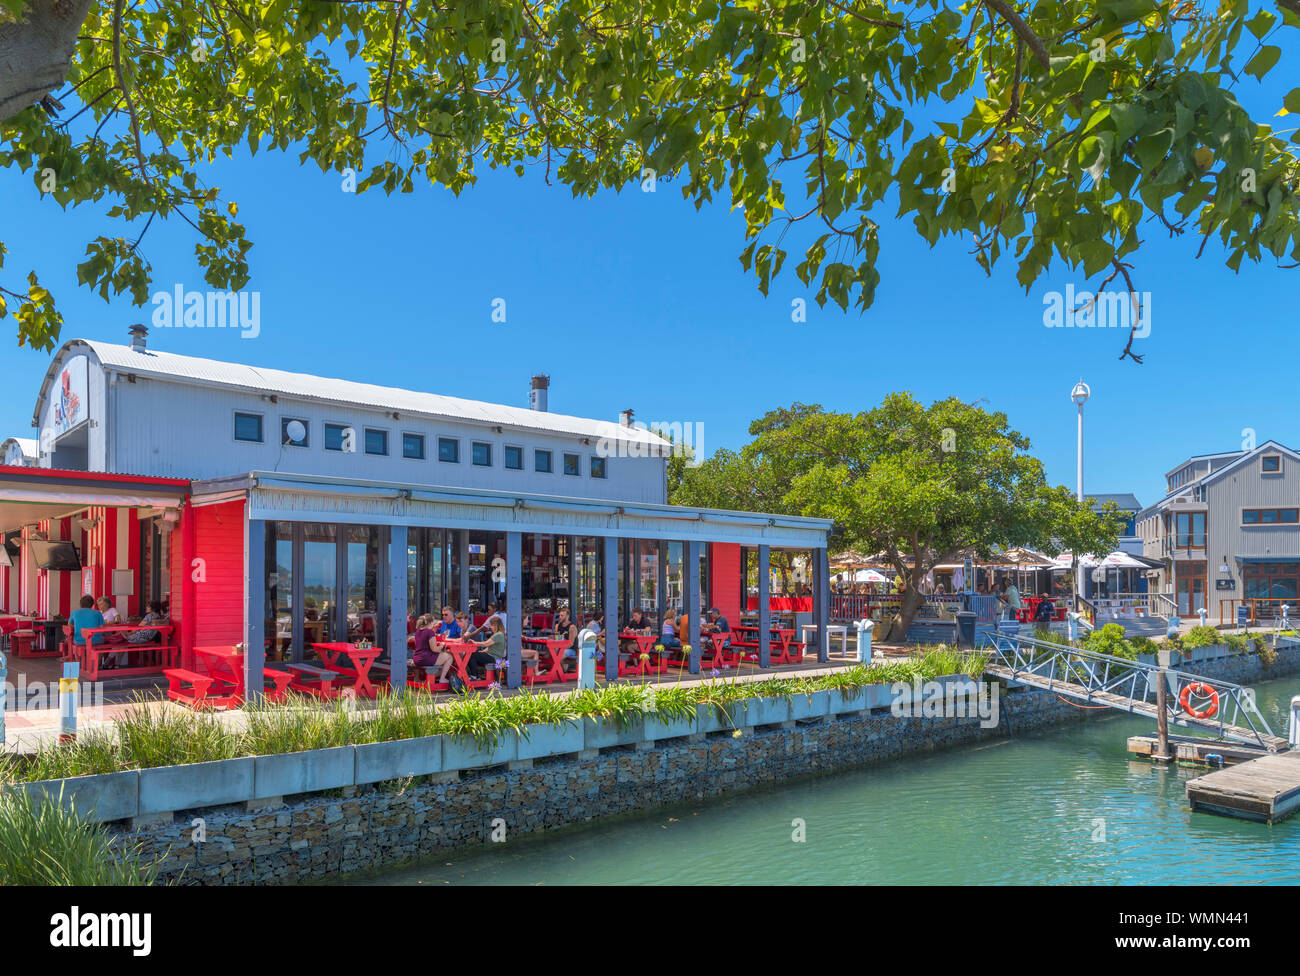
{"x":1261,"y":608}
{"x":1128,"y":685}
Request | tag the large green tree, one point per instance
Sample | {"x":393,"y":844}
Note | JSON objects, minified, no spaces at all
{"x":1056,"y":130}
{"x":916,"y":483}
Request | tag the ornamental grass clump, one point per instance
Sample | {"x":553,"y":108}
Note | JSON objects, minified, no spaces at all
{"x":530,"y":708}
{"x":150,"y":734}
{"x":394,"y":717}
{"x":299,"y":725}
{"x":94,"y":751}
{"x":669,"y":704}
{"x":48,"y":844}
{"x":622,"y":704}
{"x":474,"y":717}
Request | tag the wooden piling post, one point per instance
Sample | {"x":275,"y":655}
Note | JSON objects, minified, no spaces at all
{"x":1162,"y":718}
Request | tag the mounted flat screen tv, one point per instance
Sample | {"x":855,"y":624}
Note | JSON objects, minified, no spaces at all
{"x":56,"y":555}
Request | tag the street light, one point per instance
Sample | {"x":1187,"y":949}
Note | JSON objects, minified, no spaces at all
{"x":1079,"y":395}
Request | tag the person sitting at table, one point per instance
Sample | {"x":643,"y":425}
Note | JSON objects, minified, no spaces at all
{"x":566,"y":629}
{"x":447,"y":628}
{"x":425,"y":654}
{"x":157,"y":617}
{"x":668,"y":635}
{"x":462,"y":621}
{"x":639,"y":623}
{"x":1045,"y":610}
{"x":492,"y":650}
{"x":86,"y":617}
{"x":493,"y":614}
{"x":717,"y":624}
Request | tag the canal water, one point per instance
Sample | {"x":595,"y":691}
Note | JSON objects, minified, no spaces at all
{"x":1062,"y":806}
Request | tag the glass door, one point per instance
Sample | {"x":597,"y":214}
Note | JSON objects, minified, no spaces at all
{"x":319,"y":581}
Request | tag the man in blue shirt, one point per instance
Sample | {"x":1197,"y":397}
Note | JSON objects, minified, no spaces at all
{"x":86,"y":617}
{"x":448,"y":628}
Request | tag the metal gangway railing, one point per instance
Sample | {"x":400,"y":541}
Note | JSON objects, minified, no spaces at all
{"x":1223,"y":708}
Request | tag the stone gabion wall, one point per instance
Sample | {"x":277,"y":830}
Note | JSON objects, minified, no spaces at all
{"x":316,"y":836}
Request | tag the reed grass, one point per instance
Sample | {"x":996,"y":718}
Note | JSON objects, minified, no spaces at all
{"x":148,"y":736}
{"x":47,"y":844}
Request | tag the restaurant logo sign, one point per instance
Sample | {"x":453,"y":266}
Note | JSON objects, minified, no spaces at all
{"x":70,"y":396}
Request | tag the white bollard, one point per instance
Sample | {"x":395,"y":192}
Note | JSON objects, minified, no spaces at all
{"x":587,"y":659}
{"x":69,"y":695}
{"x":1293,"y":735}
{"x":1202,"y":614}
{"x":865,"y":627}
{"x":1072,"y":625}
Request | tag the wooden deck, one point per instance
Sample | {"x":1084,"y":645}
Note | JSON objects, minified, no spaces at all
{"x":1184,"y":748}
{"x":1266,"y":789}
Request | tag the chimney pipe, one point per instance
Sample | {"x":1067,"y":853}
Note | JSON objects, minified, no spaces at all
{"x":625,"y":418}
{"x":138,"y":333}
{"x":537,"y":394}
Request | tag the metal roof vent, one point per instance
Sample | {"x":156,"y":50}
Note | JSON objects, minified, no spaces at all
{"x":138,"y":334}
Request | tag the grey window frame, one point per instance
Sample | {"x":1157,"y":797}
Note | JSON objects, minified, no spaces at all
{"x":261,"y":427}
{"x":421,"y":438}
{"x":365,"y":441}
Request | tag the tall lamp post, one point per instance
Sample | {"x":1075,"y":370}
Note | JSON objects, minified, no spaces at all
{"x":1079,"y":395}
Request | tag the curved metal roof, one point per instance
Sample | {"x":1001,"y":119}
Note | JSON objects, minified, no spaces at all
{"x":260,"y":379}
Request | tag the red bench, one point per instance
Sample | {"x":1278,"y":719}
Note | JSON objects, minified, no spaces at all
{"x":152,"y":658}
{"x":215,"y":691}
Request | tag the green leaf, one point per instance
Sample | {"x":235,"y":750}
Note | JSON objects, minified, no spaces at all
{"x":1263,"y":61}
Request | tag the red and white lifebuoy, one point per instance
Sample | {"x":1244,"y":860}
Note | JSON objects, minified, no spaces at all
{"x":1200,"y":688}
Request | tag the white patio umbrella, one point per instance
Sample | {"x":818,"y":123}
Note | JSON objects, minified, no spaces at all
{"x":869,"y":576}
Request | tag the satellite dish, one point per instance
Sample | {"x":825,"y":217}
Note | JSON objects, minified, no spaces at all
{"x":296,"y":430}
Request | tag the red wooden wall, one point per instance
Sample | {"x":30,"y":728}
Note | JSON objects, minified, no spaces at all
{"x":208,"y":575}
{"x":725,"y":570}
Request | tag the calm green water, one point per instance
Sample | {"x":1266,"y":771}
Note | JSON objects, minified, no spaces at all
{"x":1024,"y":811}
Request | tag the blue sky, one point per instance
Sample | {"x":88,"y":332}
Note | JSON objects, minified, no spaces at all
{"x":637,"y":300}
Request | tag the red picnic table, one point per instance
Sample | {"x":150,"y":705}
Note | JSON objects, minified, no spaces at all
{"x":645,"y":663}
{"x":156,"y":654}
{"x":362,"y":658}
{"x":555,"y":647}
{"x":223,"y":684}
{"x":723,"y":657}
{"x":460,"y":652}
{"x":784,"y":637}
